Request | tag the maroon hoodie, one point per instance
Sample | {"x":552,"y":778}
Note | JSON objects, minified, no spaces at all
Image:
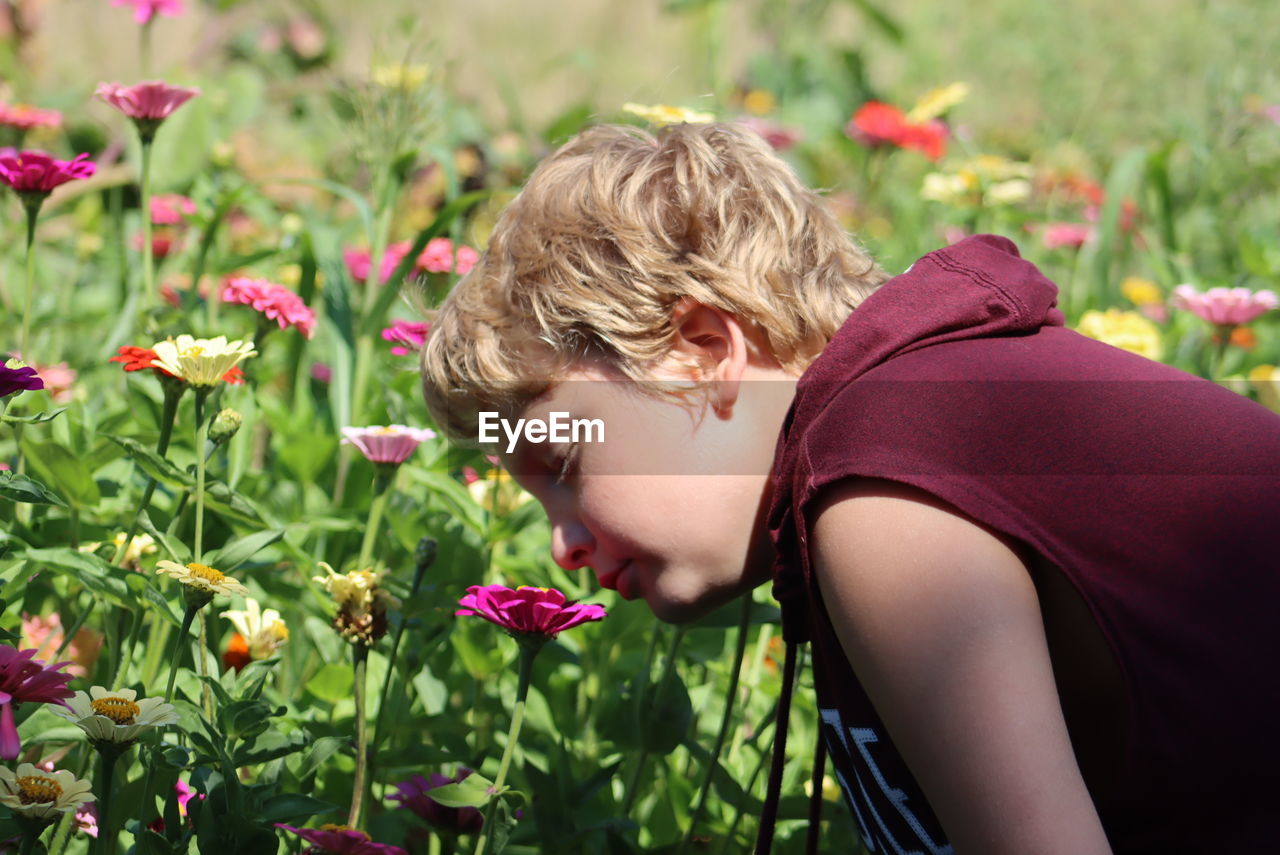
{"x":1155,"y":493}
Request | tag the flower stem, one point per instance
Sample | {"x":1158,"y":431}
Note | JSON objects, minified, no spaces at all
{"x":527,"y":655}
{"x":32,"y":212}
{"x":183,"y":633}
{"x":725,"y":721}
{"x":376,"y":509}
{"x":202,"y":433}
{"x":30,"y":834}
{"x":172,"y":394}
{"x":148,"y":253}
{"x":206,"y":694}
{"x":359,"y":662}
{"x":106,"y":837}
{"x":1220,"y":352}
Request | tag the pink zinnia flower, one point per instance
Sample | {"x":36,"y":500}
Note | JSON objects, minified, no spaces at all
{"x":777,"y":136}
{"x":438,"y":257}
{"x":358,"y":261}
{"x":408,"y":336}
{"x":34,"y":174}
{"x":45,"y":635}
{"x":1225,"y":306}
{"x":25,"y":117}
{"x":527,"y":611}
{"x":148,"y":103}
{"x":162,"y":243}
{"x":145,"y":10}
{"x":340,"y":840}
{"x":26,"y":680}
{"x":58,"y":380}
{"x":276,"y":302}
{"x":415,"y":795}
{"x":391,"y":444}
{"x":321,"y":372}
{"x":170,"y":209}
{"x":1059,"y":235}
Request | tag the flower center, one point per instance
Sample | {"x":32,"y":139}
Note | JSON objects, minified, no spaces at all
{"x":37,"y":789}
{"x":207,"y":573}
{"x":119,"y":710}
{"x":193,"y":352}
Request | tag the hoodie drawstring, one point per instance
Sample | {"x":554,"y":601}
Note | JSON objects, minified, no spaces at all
{"x":769,"y":813}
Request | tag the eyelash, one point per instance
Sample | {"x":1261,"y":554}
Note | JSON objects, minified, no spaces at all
{"x":565,"y":465}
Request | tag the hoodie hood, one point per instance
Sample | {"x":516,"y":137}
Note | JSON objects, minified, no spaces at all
{"x":979,"y":287}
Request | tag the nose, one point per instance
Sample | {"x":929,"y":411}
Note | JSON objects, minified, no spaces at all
{"x":572,"y":545}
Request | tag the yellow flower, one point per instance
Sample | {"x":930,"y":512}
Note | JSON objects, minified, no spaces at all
{"x":759,"y":102}
{"x":1010,"y":192}
{"x":33,"y":793}
{"x":402,"y":76}
{"x":201,"y":577}
{"x":665,"y":114}
{"x":1266,"y":382}
{"x":1125,"y":330}
{"x":993,"y":167}
{"x":201,"y":361}
{"x":949,"y":187}
{"x":362,"y":603}
{"x":1139,"y":291}
{"x":498,"y":492}
{"x":935,"y":102}
{"x":119,"y":716}
{"x":263,"y":631}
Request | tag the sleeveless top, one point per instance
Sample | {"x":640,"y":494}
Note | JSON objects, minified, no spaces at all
{"x":1155,"y":493}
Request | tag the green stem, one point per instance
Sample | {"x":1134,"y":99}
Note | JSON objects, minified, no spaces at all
{"x":527,"y":655}
{"x":1220,"y":352}
{"x":106,"y":837}
{"x":176,"y":653}
{"x":376,"y":509}
{"x":202,"y":433}
{"x":668,"y":668}
{"x":61,"y":834}
{"x":148,"y":254}
{"x":206,"y":694}
{"x":30,"y":834}
{"x":32,"y":212}
{"x":725,"y":721}
{"x":172,"y":394}
{"x":359,"y":661}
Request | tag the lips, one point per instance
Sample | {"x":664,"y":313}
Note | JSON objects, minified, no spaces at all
{"x":610,"y":580}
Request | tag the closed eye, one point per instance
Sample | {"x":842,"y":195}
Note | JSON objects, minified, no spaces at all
{"x":566,"y":464}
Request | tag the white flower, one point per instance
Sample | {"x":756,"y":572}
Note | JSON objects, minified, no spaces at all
{"x":201,"y":361}
{"x":201,"y":577}
{"x":263,"y":631}
{"x":34,"y":793}
{"x":118,"y":716}
{"x":665,"y":114}
{"x":1010,"y":192}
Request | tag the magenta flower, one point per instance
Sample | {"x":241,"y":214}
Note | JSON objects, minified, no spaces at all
{"x":438,"y":257}
{"x":387,"y":444}
{"x":1059,"y":235}
{"x":34,"y":174}
{"x":148,"y":103}
{"x":170,"y":209}
{"x":145,"y":10}
{"x":18,"y":378}
{"x":340,"y":840}
{"x":1225,"y":306}
{"x":527,"y":611}
{"x":276,"y":302}
{"x":407,"y":335}
{"x":25,"y":117}
{"x":415,"y":795}
{"x":358,"y":261}
{"x":26,"y":680}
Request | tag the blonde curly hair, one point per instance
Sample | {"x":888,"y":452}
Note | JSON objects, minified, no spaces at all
{"x":608,"y":235}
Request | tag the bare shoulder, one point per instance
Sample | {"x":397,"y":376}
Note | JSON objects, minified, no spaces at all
{"x":939,"y":618}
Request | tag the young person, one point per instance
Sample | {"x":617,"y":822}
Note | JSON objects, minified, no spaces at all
{"x":1038,"y":573}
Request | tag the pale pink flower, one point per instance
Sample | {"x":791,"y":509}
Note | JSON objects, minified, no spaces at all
{"x":1059,"y":235}
{"x":276,"y":302}
{"x":391,"y":444}
{"x":321,"y":372}
{"x":87,"y":819}
{"x":58,"y":380}
{"x":24,"y":117}
{"x":438,"y":257}
{"x":1225,"y":306}
{"x":358,"y":261}
{"x":171,"y":209}
{"x":148,"y":103}
{"x":145,"y":10}
{"x":407,"y":335}
{"x":776,"y":135}
{"x":45,"y":635}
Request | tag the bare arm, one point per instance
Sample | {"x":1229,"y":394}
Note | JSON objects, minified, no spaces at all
{"x":940,"y":620}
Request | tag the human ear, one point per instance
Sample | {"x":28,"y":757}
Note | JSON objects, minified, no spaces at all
{"x":714,"y":338}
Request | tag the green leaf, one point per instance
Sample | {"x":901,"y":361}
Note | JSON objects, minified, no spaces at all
{"x":1122,"y":183}
{"x":237,"y":552}
{"x":294,"y":807}
{"x":471,"y":791}
{"x":20,"y":488}
{"x":881,"y":19}
{"x":321,"y":750}
{"x":269,"y":745}
{"x":664,"y":724}
{"x":66,"y":471}
{"x":46,"y":416}
{"x":332,"y":683}
{"x":88,"y":569}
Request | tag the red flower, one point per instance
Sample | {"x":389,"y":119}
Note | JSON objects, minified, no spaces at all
{"x":36,"y":173}
{"x":877,"y":124}
{"x":237,"y":653}
{"x":527,"y":611}
{"x":25,"y":680}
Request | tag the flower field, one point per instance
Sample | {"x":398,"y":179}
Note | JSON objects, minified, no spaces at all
{"x":250,"y":602}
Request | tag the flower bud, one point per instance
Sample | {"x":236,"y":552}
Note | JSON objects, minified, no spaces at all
{"x":225,"y":424}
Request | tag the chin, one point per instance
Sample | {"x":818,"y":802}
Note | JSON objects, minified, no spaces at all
{"x":686,"y":607}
